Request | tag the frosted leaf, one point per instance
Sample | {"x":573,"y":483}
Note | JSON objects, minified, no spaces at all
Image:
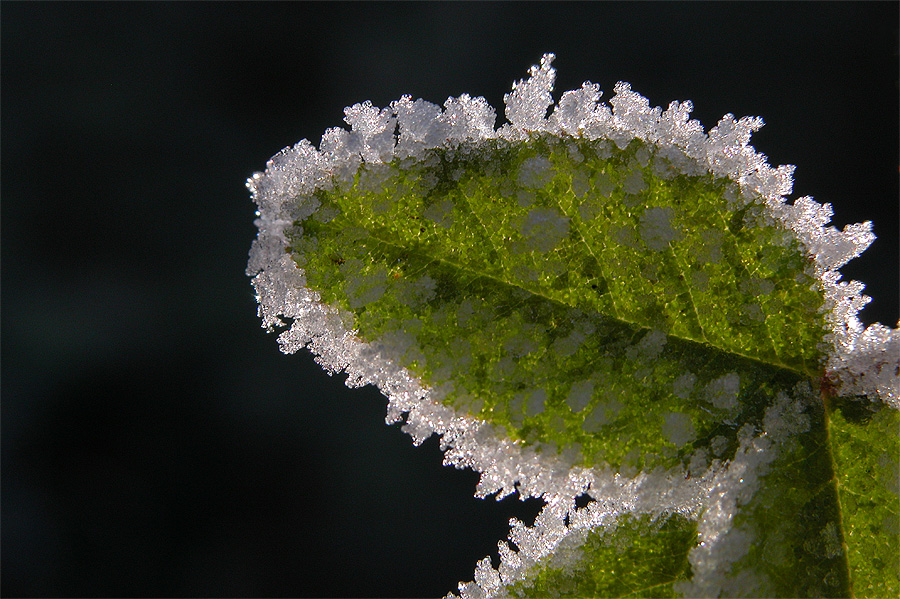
{"x":540,"y":240}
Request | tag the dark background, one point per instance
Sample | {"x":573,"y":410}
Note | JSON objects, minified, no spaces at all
{"x":154,"y":440}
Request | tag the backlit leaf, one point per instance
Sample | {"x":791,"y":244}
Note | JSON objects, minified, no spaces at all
{"x":609,"y":309}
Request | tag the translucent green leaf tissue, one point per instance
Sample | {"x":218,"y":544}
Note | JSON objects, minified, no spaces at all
{"x":608,"y":305}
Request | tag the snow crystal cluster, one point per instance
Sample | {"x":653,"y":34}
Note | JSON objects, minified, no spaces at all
{"x":860,"y":360}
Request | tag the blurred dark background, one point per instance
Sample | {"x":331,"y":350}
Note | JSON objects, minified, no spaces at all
{"x":154,"y":440}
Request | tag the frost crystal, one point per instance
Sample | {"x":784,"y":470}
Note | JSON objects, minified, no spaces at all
{"x":861,"y":360}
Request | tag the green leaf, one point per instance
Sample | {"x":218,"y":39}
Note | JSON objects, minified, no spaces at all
{"x":620,"y":317}
{"x":866,"y":447}
{"x":627,"y":323}
{"x":640,"y":558}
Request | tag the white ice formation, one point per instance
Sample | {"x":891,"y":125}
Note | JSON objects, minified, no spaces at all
{"x":860,"y":361}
